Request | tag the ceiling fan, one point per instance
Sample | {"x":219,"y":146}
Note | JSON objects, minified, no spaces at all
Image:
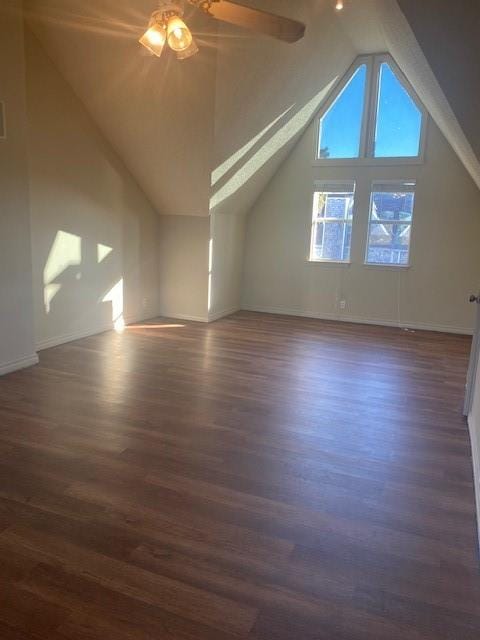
{"x":167,"y":27}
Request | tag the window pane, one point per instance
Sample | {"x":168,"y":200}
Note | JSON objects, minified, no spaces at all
{"x":389,"y":228}
{"x":399,"y":120}
{"x":392,"y":206}
{"x":392,"y":235}
{"x":337,"y":205}
{"x":332,"y":224}
{"x":341,"y":126}
{"x":388,"y":243}
{"x":332,"y":241}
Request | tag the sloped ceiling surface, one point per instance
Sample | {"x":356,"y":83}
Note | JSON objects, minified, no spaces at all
{"x":449,"y":35}
{"x":267,"y":93}
{"x":191,"y":132}
{"x":207,"y":134}
{"x":157,"y":114}
{"x":405,"y":48}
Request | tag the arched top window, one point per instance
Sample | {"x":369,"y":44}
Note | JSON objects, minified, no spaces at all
{"x":373,"y":115}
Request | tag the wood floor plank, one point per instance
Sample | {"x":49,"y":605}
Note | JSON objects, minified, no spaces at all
{"x":259,"y":478}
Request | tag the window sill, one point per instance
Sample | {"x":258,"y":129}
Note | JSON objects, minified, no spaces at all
{"x":367,"y":162}
{"x":333,"y":263}
{"x":373,"y":265}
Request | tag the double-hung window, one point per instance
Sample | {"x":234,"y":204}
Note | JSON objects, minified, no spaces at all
{"x":333,"y":208}
{"x":390,"y":223}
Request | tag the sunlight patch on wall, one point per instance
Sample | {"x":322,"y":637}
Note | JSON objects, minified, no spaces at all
{"x":102,"y":252}
{"x":271,"y":147}
{"x":115,"y":297}
{"x":66,"y":251}
{"x":49,"y":292}
{"x":222,"y":169}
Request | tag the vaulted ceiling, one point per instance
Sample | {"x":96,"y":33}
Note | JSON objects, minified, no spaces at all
{"x":449,"y":35}
{"x":157,"y":114}
{"x":208,"y":133}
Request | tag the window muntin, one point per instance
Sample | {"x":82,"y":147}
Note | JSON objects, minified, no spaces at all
{"x":340,"y":133}
{"x":332,"y":218}
{"x":387,"y":122}
{"x":398,"y":130}
{"x":390,"y":223}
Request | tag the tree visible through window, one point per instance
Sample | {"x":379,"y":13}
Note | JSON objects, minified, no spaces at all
{"x":391,"y":213}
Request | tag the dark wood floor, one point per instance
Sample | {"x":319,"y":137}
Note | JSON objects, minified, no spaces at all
{"x":260,"y":478}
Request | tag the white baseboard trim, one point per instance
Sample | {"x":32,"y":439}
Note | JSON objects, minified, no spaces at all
{"x":475,"y":444}
{"x":222,"y":314}
{"x":55,"y":341}
{"x":419,"y":326}
{"x":181,"y":316}
{"x":15,"y":365}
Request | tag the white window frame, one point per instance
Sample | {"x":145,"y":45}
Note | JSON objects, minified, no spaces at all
{"x":369,"y":117}
{"x":319,"y":187}
{"x":394,"y":186}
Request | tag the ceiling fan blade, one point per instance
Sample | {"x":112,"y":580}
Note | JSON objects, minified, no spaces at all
{"x":256,"y":20}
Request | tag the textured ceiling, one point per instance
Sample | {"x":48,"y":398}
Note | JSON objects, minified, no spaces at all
{"x":175,"y":124}
{"x":450,"y":43}
{"x":157,"y":114}
{"x":406,"y":49}
{"x":267,"y":86}
{"x":207,"y":134}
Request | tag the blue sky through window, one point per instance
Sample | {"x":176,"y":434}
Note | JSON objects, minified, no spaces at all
{"x":341,"y":126}
{"x":399,"y":120}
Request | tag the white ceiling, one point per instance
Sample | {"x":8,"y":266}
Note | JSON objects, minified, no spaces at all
{"x":450,"y":43}
{"x":209,"y":133}
{"x":157,"y":114}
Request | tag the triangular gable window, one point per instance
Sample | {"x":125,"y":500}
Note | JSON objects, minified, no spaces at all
{"x":341,"y":126}
{"x":398,"y":131}
{"x":373,"y":114}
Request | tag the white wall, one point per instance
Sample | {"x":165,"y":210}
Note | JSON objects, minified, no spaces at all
{"x":445,"y":261}
{"x":183,"y":255}
{"x":227,"y":238}
{"x":17,"y":347}
{"x":83,"y":200}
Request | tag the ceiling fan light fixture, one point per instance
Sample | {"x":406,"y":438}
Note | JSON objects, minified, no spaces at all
{"x":154,"y":39}
{"x":179,"y":36}
{"x":166,"y":26}
{"x":189,"y":52}
{"x":339,"y":5}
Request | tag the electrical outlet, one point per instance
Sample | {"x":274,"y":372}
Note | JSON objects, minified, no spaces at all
{"x":343,"y":304}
